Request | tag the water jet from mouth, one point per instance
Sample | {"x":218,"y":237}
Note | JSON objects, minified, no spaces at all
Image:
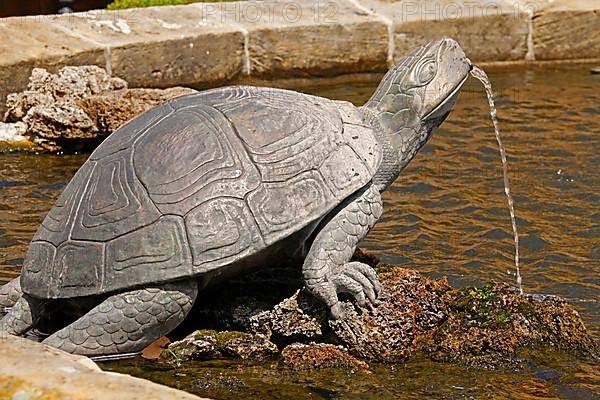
{"x":481,"y":76}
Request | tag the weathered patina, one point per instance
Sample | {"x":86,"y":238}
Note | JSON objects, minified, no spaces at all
{"x":213,"y":184}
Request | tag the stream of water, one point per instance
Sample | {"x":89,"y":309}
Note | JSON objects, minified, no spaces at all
{"x":445,"y":216}
{"x":481,"y":76}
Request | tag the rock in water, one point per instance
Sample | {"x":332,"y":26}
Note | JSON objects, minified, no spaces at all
{"x":79,"y":104}
{"x":484,"y":326}
{"x":12,"y":137}
{"x":318,"y":356}
{"x":410,"y":305}
{"x":207,"y":344}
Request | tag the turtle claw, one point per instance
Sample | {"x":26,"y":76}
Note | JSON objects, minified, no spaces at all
{"x":360,"y":280}
{"x":336,"y":310}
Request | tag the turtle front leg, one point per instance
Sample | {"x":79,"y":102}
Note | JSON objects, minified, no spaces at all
{"x":327,"y":270}
{"x":128,"y":322}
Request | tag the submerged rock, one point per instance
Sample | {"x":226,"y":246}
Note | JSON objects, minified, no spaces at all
{"x":320,"y":355}
{"x":488,"y":326}
{"x":79,"y":104}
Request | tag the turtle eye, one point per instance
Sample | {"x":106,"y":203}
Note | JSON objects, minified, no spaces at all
{"x":426,"y":72}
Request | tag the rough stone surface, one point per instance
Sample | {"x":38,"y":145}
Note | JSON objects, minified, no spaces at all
{"x":79,"y":103}
{"x":61,"y":376}
{"x":565,"y":34}
{"x":318,"y":356}
{"x":163,"y":46}
{"x":487,"y":326}
{"x":409,"y":305}
{"x":110,"y":111}
{"x":34,"y":42}
{"x":292,"y":319}
{"x":207,"y":344}
{"x":307,"y":38}
{"x":487,"y":30}
{"x":211,"y":43}
{"x":483,"y":327}
{"x":13,"y":131}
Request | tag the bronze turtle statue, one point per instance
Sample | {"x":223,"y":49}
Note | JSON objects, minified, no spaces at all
{"x":209,"y":185}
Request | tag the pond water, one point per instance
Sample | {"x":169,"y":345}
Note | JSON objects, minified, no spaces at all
{"x":445,"y":216}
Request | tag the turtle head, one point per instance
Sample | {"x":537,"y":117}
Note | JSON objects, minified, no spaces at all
{"x":417,"y":94}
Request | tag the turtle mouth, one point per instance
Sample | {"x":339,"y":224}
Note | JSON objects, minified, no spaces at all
{"x":446,"y":105}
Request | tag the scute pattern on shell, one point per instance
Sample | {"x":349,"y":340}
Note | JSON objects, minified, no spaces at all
{"x":195,"y":185}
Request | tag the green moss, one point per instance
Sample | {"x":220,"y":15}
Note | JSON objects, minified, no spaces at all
{"x":383,"y":268}
{"x":504,"y":317}
{"x":222,"y":338}
{"x":198,"y":335}
{"x":480,"y":304}
{"x":174,"y":356}
{"x":121,"y":4}
{"x":484,"y":293}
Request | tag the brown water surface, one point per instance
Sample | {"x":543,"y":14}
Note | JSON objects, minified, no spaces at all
{"x":445,"y":216}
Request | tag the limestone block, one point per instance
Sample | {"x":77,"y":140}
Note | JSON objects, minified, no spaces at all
{"x":308,"y":38}
{"x":163,"y":46}
{"x":29,"y":42}
{"x":488,"y":30}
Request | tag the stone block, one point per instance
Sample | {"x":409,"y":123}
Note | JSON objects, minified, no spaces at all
{"x":566,"y":34}
{"x":32,"y":370}
{"x":163,"y":46}
{"x":307,"y":38}
{"x":488,"y":30}
{"x":29,"y":42}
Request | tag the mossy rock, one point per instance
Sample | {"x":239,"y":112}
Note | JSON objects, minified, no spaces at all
{"x":211,"y":344}
{"x":489,"y":326}
{"x":312,"y":356}
{"x":122,"y":4}
{"x":486,"y":326}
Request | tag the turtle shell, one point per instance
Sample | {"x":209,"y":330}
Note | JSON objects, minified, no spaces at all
{"x":198,"y":183}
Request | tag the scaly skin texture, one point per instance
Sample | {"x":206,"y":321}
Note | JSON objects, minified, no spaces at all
{"x":326,"y":269}
{"x":23,"y":316}
{"x":127,"y":322}
{"x":10,"y":293}
{"x":413,"y":98}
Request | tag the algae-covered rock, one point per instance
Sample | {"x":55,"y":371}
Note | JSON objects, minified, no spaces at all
{"x":319,"y":356}
{"x":416,"y":314}
{"x":485,"y":326}
{"x":297,"y":318}
{"x":209,"y":344}
{"x":488,"y":326}
{"x":78,"y":105}
{"x":409,"y":305}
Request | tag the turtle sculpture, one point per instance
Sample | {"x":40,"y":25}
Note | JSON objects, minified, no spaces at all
{"x":212,"y":184}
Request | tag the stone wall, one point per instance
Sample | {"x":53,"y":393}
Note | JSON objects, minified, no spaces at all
{"x":214,"y":43}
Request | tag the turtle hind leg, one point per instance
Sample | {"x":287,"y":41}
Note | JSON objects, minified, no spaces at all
{"x":127,"y":322}
{"x":10,"y":294}
{"x":23,"y":316}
